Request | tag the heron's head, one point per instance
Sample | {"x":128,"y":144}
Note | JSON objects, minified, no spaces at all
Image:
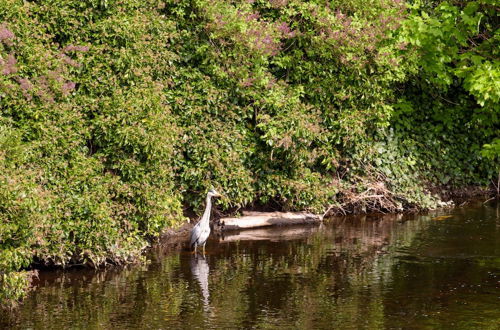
{"x":213,"y":193}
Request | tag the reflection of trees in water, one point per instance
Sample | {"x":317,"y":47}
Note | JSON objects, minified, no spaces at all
{"x":337,"y":273}
{"x":332,"y":277}
{"x":121,"y":298}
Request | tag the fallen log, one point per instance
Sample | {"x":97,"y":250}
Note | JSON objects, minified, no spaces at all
{"x":273,"y":234}
{"x":264,"y":219}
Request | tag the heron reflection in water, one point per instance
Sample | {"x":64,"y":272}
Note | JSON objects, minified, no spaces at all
{"x":201,"y":231}
{"x":200,"y":270}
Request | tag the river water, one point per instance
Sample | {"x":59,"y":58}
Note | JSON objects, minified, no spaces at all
{"x":434,"y":271}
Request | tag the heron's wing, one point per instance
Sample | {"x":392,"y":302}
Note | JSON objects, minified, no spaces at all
{"x":195,"y":234}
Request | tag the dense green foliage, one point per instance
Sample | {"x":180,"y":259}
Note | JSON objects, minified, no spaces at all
{"x":115,"y":116}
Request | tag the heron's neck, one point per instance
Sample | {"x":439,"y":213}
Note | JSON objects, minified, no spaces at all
{"x":208,"y":208}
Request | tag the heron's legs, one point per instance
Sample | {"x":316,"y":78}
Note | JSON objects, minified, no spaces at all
{"x":195,"y":246}
{"x":204,"y":247}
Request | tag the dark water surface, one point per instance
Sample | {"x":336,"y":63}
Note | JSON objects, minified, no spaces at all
{"x":412,"y":272}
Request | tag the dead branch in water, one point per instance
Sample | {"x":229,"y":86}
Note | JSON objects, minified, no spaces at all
{"x":263,"y":219}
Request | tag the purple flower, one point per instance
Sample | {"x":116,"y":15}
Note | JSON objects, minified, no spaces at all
{"x":25,"y":84}
{"x":67,"y":87}
{"x":278,"y":3}
{"x":73,"y":48}
{"x":6,"y":34}
{"x":271,"y":83}
{"x":285,"y":30}
{"x":69,"y":61}
{"x":56,"y":75}
{"x":253,"y":16}
{"x":10,"y":65}
{"x":248,"y":82}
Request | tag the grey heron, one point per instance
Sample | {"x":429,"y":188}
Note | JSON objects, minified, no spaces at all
{"x":201,"y":231}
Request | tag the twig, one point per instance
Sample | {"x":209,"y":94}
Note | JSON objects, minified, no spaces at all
{"x":328,"y":210}
{"x":486,"y":201}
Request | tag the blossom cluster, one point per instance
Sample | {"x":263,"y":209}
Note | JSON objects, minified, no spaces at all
{"x":247,"y":28}
{"x":45,"y":86}
{"x":6,"y":35}
{"x":355,"y":40}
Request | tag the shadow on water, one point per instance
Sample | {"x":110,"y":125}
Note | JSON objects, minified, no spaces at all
{"x":438,"y":270}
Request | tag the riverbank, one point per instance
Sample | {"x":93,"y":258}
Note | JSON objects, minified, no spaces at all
{"x":448,"y":198}
{"x":17,"y":285}
{"x":177,"y":239}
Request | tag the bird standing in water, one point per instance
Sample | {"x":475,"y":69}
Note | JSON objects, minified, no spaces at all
{"x":201,"y":230}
